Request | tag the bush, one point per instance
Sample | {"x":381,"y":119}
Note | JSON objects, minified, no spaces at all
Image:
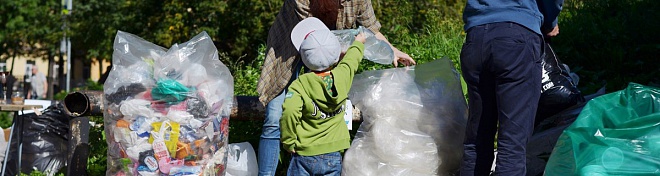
{"x":610,"y":41}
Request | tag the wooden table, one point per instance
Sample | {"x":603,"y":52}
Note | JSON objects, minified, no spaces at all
{"x":17,"y":122}
{"x":16,"y":108}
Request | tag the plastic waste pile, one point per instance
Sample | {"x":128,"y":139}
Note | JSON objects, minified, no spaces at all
{"x":615,"y":134}
{"x":167,"y":111}
{"x":413,"y":121}
{"x":375,"y":50}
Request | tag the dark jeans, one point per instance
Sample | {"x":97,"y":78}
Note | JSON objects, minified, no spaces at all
{"x":328,"y":164}
{"x":501,"y":64}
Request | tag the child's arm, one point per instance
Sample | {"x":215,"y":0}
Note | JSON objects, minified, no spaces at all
{"x":345,"y":70}
{"x":291,"y":114}
{"x":352,"y":58}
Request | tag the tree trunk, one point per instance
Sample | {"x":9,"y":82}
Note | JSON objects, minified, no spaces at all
{"x":51,"y":59}
{"x":13,"y":62}
{"x":60,"y":72}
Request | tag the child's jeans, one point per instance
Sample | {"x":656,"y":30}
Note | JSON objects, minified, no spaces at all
{"x":323,"y":164}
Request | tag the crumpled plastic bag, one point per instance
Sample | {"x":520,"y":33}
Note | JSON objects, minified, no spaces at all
{"x":375,"y":50}
{"x":559,"y":86}
{"x":44,"y":142}
{"x":615,"y":134}
{"x":167,"y":110}
{"x":242,"y":161}
{"x":413,"y":121}
{"x":546,"y":133}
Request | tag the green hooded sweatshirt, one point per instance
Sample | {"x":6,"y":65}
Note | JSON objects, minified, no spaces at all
{"x":312,"y":121}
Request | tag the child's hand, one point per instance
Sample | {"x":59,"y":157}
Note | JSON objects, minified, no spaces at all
{"x":360,"y":37}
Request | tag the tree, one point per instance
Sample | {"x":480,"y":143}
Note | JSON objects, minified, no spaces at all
{"x":237,"y":27}
{"x":96,"y":22}
{"x":31,"y":28}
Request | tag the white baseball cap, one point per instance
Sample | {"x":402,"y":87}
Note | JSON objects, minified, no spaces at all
{"x":318,"y":46}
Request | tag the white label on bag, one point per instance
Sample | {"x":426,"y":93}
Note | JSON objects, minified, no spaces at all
{"x":348,"y":116}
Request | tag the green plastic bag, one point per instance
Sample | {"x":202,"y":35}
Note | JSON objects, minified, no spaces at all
{"x":615,"y":134}
{"x":169,"y":91}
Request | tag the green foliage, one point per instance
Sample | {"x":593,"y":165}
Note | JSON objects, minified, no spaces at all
{"x":60,"y":95}
{"x":161,"y":22}
{"x":440,"y":40}
{"x":243,"y":26}
{"x":6,"y":118}
{"x":401,"y":18}
{"x":610,"y":41}
{"x":93,"y":25}
{"x":237,"y":27}
{"x":39,"y":173}
{"x":246,"y":73}
{"x":97,"y":159}
{"x":29,"y":27}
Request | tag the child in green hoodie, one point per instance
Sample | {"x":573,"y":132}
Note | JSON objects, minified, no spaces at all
{"x":312,"y":123}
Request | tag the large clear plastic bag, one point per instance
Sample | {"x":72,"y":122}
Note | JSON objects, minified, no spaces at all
{"x":375,"y":50}
{"x":413,"y":121}
{"x":167,"y":111}
{"x":615,"y":134}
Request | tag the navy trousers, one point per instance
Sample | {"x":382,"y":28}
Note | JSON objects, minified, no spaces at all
{"x":501,"y":64}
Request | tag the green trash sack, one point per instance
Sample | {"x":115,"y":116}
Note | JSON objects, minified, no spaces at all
{"x":615,"y":134}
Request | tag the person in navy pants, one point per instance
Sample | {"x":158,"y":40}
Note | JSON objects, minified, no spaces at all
{"x":501,"y":64}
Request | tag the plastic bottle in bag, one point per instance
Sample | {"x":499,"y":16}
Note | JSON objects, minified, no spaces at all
{"x":375,"y":50}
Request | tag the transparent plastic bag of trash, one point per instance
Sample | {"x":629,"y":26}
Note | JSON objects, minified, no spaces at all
{"x":167,"y":110}
{"x":375,"y":50}
{"x":413,"y":121}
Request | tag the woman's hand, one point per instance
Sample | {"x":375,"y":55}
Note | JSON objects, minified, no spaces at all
{"x":399,"y":57}
{"x":403,"y":58}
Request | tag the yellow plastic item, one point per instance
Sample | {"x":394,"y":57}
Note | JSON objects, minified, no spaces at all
{"x":166,"y":131}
